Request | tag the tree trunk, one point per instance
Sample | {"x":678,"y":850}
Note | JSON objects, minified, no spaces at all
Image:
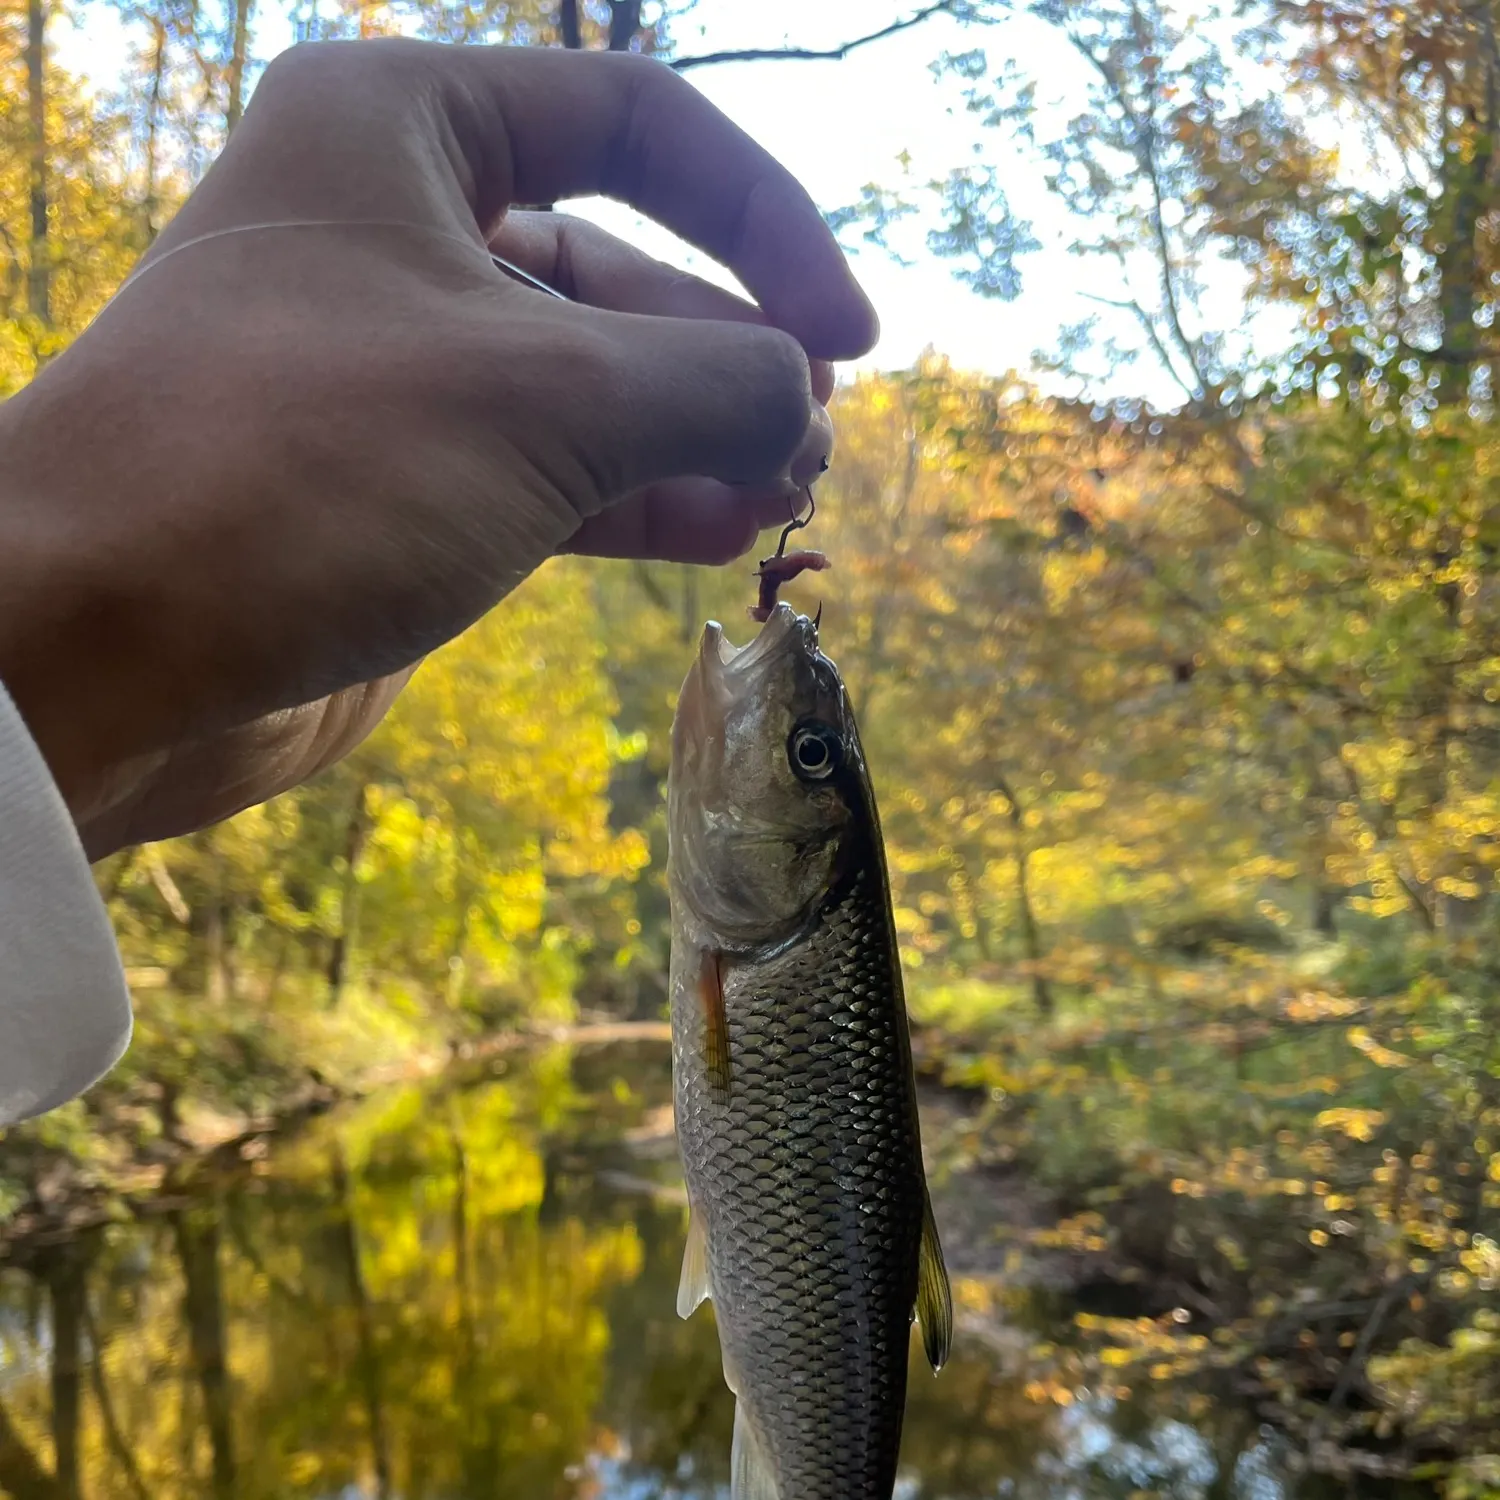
{"x":887,"y":547}
{"x":114,"y":1436}
{"x":624,"y":23}
{"x":239,"y":47}
{"x":568,"y":25}
{"x":338,"y":955}
{"x":369,"y":1354}
{"x":65,"y":1285}
{"x":1031,"y":934}
{"x":690,"y":622}
{"x":22,"y":1476}
{"x":215,"y":953}
{"x":1465,"y":183}
{"x":149,"y":201}
{"x":39,"y":276}
{"x":1325,"y":910}
{"x":477,"y":1465}
{"x":197,"y":1235}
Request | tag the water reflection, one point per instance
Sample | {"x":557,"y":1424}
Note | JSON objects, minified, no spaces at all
{"x":467,"y":1292}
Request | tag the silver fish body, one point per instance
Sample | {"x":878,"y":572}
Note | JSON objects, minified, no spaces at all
{"x":795,"y":1098}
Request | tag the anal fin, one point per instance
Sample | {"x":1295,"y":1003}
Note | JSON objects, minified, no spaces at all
{"x":693,"y":1288}
{"x":934,"y":1295}
{"x":750,"y":1476}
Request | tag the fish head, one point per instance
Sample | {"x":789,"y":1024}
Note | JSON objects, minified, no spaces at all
{"x":760,"y":800}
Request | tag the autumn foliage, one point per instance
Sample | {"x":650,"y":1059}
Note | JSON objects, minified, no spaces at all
{"x":1184,"y":719}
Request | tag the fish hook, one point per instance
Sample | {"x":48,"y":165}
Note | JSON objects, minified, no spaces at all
{"x":797,"y":522}
{"x":784,"y":566}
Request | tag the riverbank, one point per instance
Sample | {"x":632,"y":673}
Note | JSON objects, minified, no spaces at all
{"x":65,"y":1197}
{"x":1114,"y":1251}
{"x":1283,"y":1193}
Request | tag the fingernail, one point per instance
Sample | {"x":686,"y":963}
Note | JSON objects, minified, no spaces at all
{"x":812,"y":458}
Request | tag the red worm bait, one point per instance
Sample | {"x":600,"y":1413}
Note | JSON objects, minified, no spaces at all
{"x":782,"y":568}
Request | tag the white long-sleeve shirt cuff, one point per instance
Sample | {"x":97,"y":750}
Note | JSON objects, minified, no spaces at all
{"x":64,"y":1007}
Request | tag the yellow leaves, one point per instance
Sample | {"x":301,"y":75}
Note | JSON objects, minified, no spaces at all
{"x":1318,"y":1005}
{"x":1083,"y":1232}
{"x":973,"y":1294}
{"x":1482,"y":1261}
{"x":1157,"y":1343}
{"x":1049,"y":1391}
{"x":1357,"y":1124}
{"x":488,"y":788}
{"x":398,"y":833}
{"x":1379,"y":1054}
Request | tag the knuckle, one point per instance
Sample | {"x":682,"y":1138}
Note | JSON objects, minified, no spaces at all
{"x":303,"y":68}
{"x":316,"y":69}
{"x":557,"y":386}
{"x":577,"y":238}
{"x":638,"y":69}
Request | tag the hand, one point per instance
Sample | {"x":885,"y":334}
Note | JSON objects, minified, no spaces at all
{"x":285,"y":463}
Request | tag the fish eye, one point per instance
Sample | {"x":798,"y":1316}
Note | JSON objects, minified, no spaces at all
{"x":815,"y":752}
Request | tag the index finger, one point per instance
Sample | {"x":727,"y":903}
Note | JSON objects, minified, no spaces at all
{"x":536,"y":125}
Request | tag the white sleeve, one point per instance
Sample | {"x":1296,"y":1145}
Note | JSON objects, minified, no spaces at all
{"x":64,"y":1008}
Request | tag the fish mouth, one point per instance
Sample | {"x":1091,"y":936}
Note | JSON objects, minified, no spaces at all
{"x":725,"y":674}
{"x":784,"y":630}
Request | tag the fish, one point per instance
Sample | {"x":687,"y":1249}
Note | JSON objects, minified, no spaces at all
{"x":810,"y":1223}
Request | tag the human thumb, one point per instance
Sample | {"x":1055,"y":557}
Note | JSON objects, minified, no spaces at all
{"x":657,"y":398}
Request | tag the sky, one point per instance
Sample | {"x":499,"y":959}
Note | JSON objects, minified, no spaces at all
{"x":839,"y":125}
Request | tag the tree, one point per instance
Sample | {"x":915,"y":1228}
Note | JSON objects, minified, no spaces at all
{"x":64,"y":240}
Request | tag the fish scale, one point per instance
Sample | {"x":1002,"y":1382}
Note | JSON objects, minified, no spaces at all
{"x":810,"y":1180}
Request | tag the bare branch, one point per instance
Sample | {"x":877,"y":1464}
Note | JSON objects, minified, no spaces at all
{"x":1145,"y":127}
{"x":652,"y":589}
{"x":1148,"y":323}
{"x":1353,"y":1371}
{"x":814,"y":54}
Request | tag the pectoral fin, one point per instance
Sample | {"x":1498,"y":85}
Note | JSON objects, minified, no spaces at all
{"x":934,"y":1295}
{"x":692,"y":1289}
{"x":715,"y":1022}
{"x":750,"y":1476}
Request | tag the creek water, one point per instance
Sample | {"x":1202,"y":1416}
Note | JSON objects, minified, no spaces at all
{"x":465,"y":1290}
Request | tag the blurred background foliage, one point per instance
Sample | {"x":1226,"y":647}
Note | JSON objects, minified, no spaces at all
{"x":1185,"y":722}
